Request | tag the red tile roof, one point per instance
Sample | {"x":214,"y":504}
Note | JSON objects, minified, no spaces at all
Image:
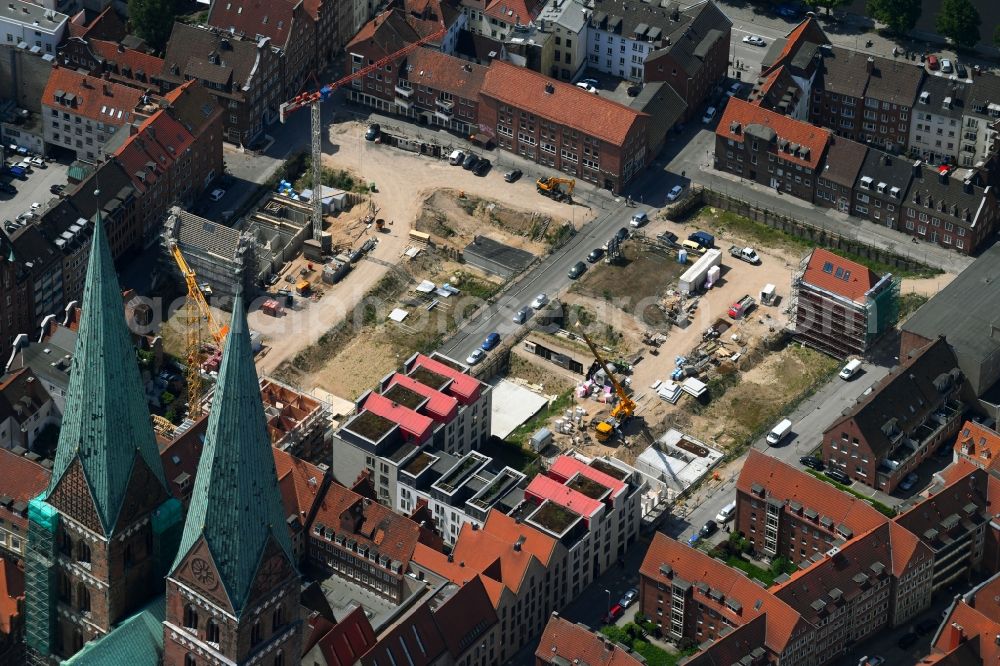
{"x":465,"y":616}
{"x":965,"y":485}
{"x":514,"y":12}
{"x":566,"y":467}
{"x":299,"y":482}
{"x":840,"y":276}
{"x":271,"y":18}
{"x":348,"y":640}
{"x":153,"y":149}
{"x":367,"y":522}
{"x":135,"y":60}
{"x":440,"y":71}
{"x":576,"y":644}
{"x":567,"y":105}
{"x":490,"y":553}
{"x":180,"y":458}
{"x":789,"y":484}
{"x":412,"y":641}
{"x":969,"y":624}
{"x":740,"y":114}
{"x":978,"y":445}
{"x":11,"y":590}
{"x":21,"y":480}
{"x":102,"y":101}
{"x":694,"y":566}
{"x":794,"y":40}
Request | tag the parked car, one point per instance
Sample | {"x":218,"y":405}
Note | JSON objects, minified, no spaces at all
{"x":709,"y":115}
{"x":734,"y":89}
{"x":927,"y":625}
{"x":588,"y":87}
{"x":614,"y":613}
{"x":907,"y":640}
{"x":910,"y":481}
{"x":703,"y":238}
{"x":932,"y":62}
{"x":871,"y":661}
{"x":639,"y":219}
{"x":18,"y":172}
{"x":754,"y":40}
{"x":511,"y":176}
{"x":539,"y":301}
{"x":812,"y":461}
{"x":852,"y":368}
{"x":595,"y":255}
{"x":629,"y":597}
{"x":456,"y":157}
{"x":483,"y":167}
{"x":779,"y":431}
{"x":692,"y":246}
{"x":522,"y":315}
{"x":667,"y":238}
{"x":838,"y":476}
{"x":726,"y":513}
{"x":961,"y":71}
{"x":491,"y":341}
{"x":592,"y":82}
{"x":946,"y":66}
{"x":708,"y":529}
{"x":470,"y":162}
{"x":475,"y":357}
{"x":578,"y":269}
{"x":621,"y":234}
{"x":217,"y":194}
{"x":38,"y":162}
{"x":374,"y":131}
{"x":634,"y":90}
{"x":674,"y":192}
{"x":57,"y":188}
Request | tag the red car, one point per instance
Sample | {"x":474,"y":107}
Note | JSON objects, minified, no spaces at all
{"x":932,"y":62}
{"x":616,"y":612}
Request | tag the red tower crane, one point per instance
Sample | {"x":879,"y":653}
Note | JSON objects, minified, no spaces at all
{"x":313,"y":100}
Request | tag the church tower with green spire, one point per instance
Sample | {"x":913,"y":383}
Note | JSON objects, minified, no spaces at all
{"x":98,"y":536}
{"x":233,"y":590}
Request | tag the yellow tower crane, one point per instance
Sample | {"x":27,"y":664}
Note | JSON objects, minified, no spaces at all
{"x":196,"y":311}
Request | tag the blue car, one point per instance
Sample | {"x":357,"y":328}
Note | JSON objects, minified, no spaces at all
{"x":491,"y":341}
{"x":787,"y":11}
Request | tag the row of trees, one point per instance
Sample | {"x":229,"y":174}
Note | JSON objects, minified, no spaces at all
{"x":958,"y":20}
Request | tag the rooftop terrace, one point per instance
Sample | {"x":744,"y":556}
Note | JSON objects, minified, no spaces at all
{"x":555,"y":518}
{"x":419,"y":463}
{"x":609,"y":469}
{"x":404,"y":396}
{"x":429,"y":378}
{"x":588,"y":487}
{"x":457,"y":474}
{"x":496,"y":488}
{"x":370,"y":425}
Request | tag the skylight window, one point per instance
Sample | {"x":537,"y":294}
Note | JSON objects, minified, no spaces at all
{"x":847,"y":275}
{"x":828,"y":267}
{"x":839,"y":273}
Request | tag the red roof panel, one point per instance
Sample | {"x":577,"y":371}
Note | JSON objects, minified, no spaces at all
{"x":840,"y":276}
{"x":739,"y":114}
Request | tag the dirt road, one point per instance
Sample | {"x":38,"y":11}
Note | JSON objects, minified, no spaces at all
{"x":403,"y":181}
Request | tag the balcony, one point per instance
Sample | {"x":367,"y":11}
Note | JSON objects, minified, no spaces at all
{"x":406,"y":93}
{"x":445,"y":105}
{"x":443,"y":115}
{"x":402,"y":103}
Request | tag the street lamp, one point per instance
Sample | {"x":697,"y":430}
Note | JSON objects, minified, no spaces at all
{"x":608,"y":616}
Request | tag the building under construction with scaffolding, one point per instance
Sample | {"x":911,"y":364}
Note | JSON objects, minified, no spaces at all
{"x":841,"y":307}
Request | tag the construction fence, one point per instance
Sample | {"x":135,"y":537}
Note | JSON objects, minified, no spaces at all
{"x":819,"y":236}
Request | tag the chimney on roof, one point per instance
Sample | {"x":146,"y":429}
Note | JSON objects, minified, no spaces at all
{"x":916,"y":169}
{"x":107,"y":90}
{"x":870,"y":64}
{"x":943,"y":177}
{"x":121,"y":48}
{"x":886,"y":159}
{"x":519,"y":543}
{"x":967,"y":186}
{"x":550,"y":89}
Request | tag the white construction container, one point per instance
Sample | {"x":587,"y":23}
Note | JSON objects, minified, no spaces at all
{"x":714,"y":273}
{"x":695,"y":277}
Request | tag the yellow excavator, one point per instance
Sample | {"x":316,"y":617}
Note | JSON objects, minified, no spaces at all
{"x":625,"y":407}
{"x":552,"y":187}
{"x":195,"y":311}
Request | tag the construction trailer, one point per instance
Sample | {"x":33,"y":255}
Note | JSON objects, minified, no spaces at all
{"x":694,"y":277}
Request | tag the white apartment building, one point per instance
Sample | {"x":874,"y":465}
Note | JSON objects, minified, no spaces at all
{"x":936,"y":123}
{"x":30,"y":26}
{"x":979,"y":121}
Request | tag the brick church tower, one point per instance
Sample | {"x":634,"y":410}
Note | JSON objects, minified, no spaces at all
{"x":100,"y":537}
{"x":233,"y":590}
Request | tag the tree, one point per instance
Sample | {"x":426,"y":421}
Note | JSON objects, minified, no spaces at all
{"x":959,"y":21}
{"x":899,"y":15}
{"x":830,"y":5}
{"x":153,"y":20}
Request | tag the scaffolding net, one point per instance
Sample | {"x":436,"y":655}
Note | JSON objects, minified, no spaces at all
{"x":40,"y":576}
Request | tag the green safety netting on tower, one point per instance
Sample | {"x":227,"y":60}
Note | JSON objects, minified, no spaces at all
{"x":883,"y":309}
{"x":40,"y":576}
{"x":168,"y":524}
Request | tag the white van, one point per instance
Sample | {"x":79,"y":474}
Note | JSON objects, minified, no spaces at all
{"x":779,"y":432}
{"x":726,"y":513}
{"x":456,"y":157}
{"x":850,"y":369}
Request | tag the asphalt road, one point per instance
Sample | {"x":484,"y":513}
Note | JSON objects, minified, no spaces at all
{"x":548,"y":277}
{"x":808,"y":423}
